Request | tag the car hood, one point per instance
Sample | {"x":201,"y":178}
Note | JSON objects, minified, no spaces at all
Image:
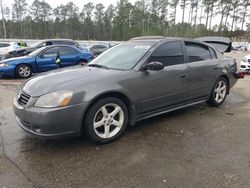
{"x":18,"y":59}
{"x":73,"y":78}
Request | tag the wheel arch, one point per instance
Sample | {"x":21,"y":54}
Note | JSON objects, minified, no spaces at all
{"x":117,"y":94}
{"x":228,"y":81}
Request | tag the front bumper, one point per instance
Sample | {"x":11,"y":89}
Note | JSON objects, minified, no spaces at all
{"x":7,"y":71}
{"x":245,"y":66}
{"x":51,"y":123}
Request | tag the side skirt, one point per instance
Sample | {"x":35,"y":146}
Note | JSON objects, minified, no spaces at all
{"x":145,"y":116}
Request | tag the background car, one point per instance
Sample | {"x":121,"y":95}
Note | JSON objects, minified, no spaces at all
{"x":240,"y":48}
{"x":6,"y":47}
{"x":98,"y":49}
{"x":245,"y":63}
{"x":44,"y":59}
{"x":40,"y":44}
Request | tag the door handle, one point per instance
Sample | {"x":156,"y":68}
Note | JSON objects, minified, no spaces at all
{"x":183,"y":76}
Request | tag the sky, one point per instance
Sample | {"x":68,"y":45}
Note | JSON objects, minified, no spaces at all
{"x":79,"y":3}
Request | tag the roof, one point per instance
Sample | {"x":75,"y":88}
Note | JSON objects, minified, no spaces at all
{"x":57,"y":39}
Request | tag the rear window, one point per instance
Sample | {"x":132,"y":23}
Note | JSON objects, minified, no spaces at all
{"x":213,"y":54}
{"x":197,"y":52}
{"x":67,"y":51}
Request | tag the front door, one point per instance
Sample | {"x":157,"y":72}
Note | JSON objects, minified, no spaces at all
{"x":167,"y":87}
{"x":47,"y":60}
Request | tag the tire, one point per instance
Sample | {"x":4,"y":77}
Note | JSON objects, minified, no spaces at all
{"x":23,"y":71}
{"x":219,"y":92}
{"x":110,"y":123}
{"x":82,"y":62}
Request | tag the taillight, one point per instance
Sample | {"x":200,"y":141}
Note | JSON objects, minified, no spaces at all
{"x":240,"y":74}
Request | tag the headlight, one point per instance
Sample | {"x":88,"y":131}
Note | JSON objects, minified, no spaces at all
{"x":3,"y":64}
{"x":55,"y":99}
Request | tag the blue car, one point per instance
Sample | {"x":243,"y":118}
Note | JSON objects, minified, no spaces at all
{"x":44,"y":59}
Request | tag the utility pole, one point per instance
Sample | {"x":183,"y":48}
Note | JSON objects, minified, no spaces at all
{"x":3,"y":20}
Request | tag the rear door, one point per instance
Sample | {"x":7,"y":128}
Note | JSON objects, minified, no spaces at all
{"x":47,"y":59}
{"x":168,"y":87}
{"x":69,"y":56}
{"x":203,"y":69}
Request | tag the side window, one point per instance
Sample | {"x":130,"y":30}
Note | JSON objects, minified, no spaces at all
{"x":67,"y":51}
{"x":169,"y":54}
{"x":52,"y":52}
{"x":212,"y":52}
{"x":48,"y":43}
{"x":197,"y":52}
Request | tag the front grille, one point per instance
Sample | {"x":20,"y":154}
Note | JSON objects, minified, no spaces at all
{"x":23,"y":99}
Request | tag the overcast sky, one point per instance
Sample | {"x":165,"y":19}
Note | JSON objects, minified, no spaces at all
{"x":79,"y":3}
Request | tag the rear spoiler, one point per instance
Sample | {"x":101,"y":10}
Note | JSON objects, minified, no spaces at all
{"x":222,"y":44}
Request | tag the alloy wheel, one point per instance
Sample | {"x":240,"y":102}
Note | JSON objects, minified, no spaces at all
{"x":24,"y":71}
{"x":108,"y":120}
{"x":220,"y":91}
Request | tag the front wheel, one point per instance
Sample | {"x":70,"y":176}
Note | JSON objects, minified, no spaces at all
{"x":106,"y":120}
{"x":23,"y":71}
{"x":219,"y":92}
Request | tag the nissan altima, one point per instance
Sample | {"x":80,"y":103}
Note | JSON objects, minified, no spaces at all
{"x":135,"y":80}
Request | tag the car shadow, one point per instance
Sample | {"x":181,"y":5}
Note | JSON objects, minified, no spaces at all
{"x":31,"y":143}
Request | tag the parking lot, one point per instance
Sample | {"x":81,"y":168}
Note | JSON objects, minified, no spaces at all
{"x":198,"y":146}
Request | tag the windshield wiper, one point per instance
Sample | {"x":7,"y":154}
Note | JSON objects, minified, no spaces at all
{"x":98,"y":66}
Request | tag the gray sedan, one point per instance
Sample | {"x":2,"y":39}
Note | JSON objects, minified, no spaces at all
{"x":141,"y":78}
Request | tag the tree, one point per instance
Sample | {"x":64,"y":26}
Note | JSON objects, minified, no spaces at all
{"x":173,"y":5}
{"x":18,"y":13}
{"x":3,"y":18}
{"x":183,"y":7}
{"x":99,"y":18}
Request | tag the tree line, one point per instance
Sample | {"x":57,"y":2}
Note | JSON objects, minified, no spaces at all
{"x":126,"y":20}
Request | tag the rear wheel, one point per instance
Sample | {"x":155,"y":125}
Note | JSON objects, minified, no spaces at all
{"x":106,"y":120}
{"x":23,"y":71}
{"x":219,"y":92}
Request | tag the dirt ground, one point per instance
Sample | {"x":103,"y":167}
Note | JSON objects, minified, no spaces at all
{"x":198,"y":146}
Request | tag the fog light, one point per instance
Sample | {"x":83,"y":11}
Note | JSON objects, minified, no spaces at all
{"x":37,"y":129}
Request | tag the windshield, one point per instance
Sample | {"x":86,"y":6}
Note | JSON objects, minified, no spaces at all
{"x":124,"y":56}
{"x":36,"y":52}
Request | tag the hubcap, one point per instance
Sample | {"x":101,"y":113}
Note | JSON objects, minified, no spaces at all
{"x":24,"y":71}
{"x":220,"y":91}
{"x":108,"y":120}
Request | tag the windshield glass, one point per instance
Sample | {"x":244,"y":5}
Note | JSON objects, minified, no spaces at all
{"x":36,"y":52}
{"x":124,"y":56}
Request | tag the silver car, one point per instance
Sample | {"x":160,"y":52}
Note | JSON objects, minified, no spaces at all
{"x":138,"y":79}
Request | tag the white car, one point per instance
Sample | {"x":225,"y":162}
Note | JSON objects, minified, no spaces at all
{"x":6,"y":47}
{"x":245,"y":63}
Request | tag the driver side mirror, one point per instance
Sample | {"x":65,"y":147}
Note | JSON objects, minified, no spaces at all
{"x":154,"y":66}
